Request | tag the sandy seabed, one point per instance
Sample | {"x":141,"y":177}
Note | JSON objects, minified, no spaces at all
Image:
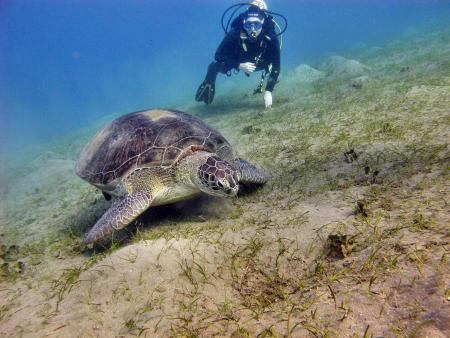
{"x":349,"y":238}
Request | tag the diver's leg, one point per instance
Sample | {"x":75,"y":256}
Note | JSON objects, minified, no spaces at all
{"x":207,"y":89}
{"x":213,"y":70}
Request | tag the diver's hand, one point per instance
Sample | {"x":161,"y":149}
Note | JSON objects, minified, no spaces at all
{"x":268,"y":99}
{"x":247,"y":67}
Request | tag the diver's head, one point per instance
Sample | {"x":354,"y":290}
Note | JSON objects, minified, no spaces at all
{"x":253,"y":22}
{"x":217,"y":177}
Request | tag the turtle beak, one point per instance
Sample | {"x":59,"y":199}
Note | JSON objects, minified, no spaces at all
{"x":231,"y":185}
{"x":225,"y":186}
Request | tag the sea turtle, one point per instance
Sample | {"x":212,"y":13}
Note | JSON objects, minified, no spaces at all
{"x":156,"y":157}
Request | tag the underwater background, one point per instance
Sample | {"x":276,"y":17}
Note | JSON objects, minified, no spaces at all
{"x":348,"y":238}
{"x":66,"y":63}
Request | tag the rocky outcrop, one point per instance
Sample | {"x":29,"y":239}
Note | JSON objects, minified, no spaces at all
{"x":305,"y":73}
{"x":340,"y":67}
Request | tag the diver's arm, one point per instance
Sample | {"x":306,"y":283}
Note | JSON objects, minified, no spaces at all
{"x":274,"y":58}
{"x":226,"y":52}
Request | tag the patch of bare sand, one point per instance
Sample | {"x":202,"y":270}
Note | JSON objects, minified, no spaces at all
{"x":275,"y":278}
{"x":147,"y":282}
{"x":227,"y":283}
{"x":39,"y":201}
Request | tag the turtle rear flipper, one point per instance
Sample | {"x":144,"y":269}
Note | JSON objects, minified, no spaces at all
{"x":249,"y":173}
{"x":121,"y":213}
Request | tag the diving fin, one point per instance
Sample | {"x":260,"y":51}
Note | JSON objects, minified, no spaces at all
{"x":206,"y":92}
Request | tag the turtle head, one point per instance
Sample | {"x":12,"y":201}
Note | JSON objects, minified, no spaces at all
{"x":217,"y":177}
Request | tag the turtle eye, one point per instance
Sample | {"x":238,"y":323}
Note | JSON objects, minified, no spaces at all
{"x":220,"y":185}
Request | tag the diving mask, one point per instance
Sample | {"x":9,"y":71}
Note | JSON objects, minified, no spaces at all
{"x":253,"y":27}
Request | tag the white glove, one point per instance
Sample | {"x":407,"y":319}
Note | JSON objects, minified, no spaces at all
{"x":247,"y":67}
{"x":268,"y":99}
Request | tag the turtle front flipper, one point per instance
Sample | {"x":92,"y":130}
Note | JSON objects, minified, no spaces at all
{"x":121,"y":213}
{"x":249,"y":173}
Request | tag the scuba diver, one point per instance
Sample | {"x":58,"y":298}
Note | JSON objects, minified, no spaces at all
{"x":250,"y":45}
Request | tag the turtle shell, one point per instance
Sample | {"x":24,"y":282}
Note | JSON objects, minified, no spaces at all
{"x":151,"y":138}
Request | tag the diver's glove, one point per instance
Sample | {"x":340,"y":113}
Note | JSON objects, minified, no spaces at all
{"x":268,"y":99}
{"x":247,"y":67}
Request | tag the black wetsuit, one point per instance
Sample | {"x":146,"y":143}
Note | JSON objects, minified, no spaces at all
{"x":237,"y":48}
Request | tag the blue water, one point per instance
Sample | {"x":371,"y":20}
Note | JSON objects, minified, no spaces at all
{"x":66,"y":63}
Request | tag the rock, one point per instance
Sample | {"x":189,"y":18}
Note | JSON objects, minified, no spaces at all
{"x":12,"y":250}
{"x":404,"y":69}
{"x":4,"y":269}
{"x":305,"y":73}
{"x":300,"y":80}
{"x":2,"y":251}
{"x":19,"y":267}
{"x":375,"y":50}
{"x":250,"y":130}
{"x":338,"y":66}
{"x":359,"y":82}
